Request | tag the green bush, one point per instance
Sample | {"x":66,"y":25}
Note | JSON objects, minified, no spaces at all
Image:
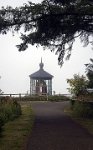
{"x":72,"y":102}
{"x":9,"y":110}
{"x":43,"y":98}
{"x":1,"y":122}
{"x":86,"y":97}
{"x":31,"y":98}
{"x":83,"y":109}
{"x":58,"y":98}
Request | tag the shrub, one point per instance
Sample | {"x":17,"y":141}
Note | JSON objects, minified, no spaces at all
{"x":83,"y":109}
{"x":58,"y":98}
{"x":32,"y":98}
{"x":9,"y":110}
{"x":1,"y":123}
{"x":72,"y":102}
{"x":87,"y":97}
{"x":43,"y":98}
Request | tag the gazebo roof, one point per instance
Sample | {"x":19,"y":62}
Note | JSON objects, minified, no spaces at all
{"x":41,"y":74}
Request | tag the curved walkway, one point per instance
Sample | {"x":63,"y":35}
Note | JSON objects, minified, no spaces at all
{"x":54,"y":130}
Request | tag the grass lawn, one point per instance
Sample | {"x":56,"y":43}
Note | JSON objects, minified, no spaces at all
{"x":15,"y":132}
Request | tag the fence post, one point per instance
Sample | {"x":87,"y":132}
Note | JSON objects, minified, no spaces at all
{"x":20,"y":96}
{"x":47,"y":97}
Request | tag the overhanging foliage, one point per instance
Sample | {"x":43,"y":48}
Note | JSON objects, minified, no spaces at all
{"x":54,"y":24}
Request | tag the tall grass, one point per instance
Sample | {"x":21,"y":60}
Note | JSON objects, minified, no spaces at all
{"x":82,"y":109}
{"x":15,"y":133}
{"x":9,"y":110}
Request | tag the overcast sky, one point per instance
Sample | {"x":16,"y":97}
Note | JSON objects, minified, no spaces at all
{"x":15,"y":66}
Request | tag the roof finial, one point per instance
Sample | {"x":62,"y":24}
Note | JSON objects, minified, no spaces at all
{"x":41,"y":59}
{"x":41,"y":64}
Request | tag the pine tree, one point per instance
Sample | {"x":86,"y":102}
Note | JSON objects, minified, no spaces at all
{"x":52,"y":23}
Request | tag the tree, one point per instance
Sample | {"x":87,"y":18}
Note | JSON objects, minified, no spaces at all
{"x":89,"y":73}
{"x":1,"y":92}
{"x":52,"y":23}
{"x":78,"y":85}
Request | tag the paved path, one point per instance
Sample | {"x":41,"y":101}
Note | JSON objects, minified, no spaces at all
{"x":54,"y":130}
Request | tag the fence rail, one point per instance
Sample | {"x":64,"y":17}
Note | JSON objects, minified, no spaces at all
{"x":13,"y":94}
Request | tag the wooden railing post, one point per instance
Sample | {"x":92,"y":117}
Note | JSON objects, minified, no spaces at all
{"x":20,"y":96}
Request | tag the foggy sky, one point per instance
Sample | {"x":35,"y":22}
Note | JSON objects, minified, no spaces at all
{"x":15,"y":67}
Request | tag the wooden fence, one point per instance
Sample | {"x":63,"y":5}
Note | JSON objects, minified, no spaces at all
{"x":13,"y":95}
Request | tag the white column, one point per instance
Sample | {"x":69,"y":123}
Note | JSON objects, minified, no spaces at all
{"x":50,"y":87}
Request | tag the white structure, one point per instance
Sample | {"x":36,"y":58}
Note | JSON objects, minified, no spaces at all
{"x":41,"y":82}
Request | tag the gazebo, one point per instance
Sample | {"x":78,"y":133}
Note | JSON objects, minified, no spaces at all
{"x":41,"y":82}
